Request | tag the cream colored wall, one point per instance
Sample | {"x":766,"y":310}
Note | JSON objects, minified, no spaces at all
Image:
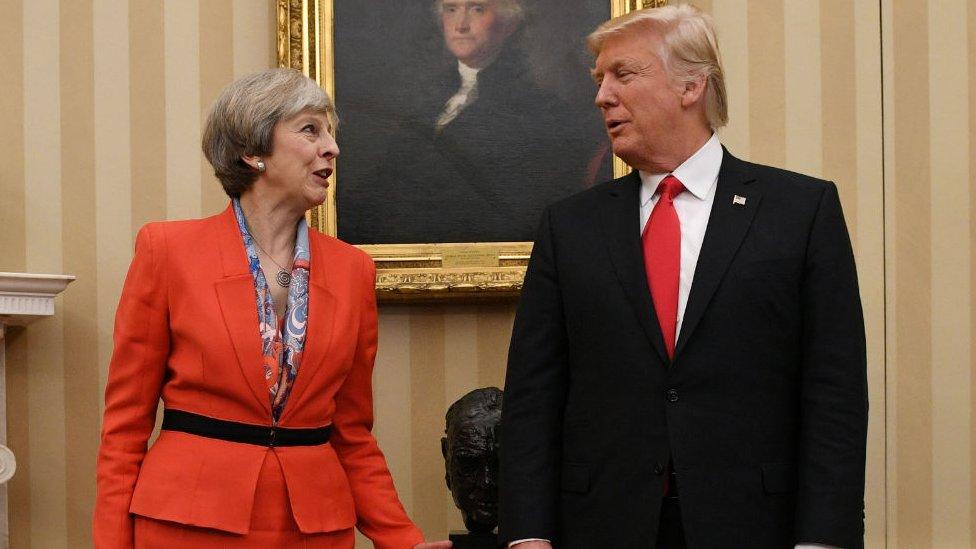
{"x":930,"y":89}
{"x":100,"y":116}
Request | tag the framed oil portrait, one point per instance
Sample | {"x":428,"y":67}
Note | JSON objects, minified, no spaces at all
{"x":460,"y":121}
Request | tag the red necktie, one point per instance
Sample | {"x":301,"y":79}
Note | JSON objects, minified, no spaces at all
{"x":662,"y":258}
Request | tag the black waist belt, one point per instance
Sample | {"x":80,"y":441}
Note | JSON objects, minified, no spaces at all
{"x":260,"y":435}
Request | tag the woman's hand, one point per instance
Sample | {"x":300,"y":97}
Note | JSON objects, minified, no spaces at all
{"x":434,"y":545}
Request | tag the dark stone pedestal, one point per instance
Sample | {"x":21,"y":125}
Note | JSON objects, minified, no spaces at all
{"x":473,"y":540}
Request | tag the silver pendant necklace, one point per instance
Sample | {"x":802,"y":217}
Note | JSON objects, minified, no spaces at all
{"x":283,"y":278}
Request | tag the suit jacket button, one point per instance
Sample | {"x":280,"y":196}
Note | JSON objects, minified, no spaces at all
{"x":658,"y":469}
{"x":672,"y":395}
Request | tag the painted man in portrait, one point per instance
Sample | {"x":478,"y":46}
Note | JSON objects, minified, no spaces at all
{"x":480,"y":147}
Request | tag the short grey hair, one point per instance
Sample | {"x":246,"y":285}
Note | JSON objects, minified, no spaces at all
{"x":510,"y":10}
{"x":243,"y":118}
{"x":689,"y":49}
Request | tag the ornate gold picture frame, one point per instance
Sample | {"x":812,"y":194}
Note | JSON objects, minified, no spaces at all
{"x":408,"y":272}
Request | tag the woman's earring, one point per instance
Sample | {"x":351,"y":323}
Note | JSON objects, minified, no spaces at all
{"x":261,"y":166}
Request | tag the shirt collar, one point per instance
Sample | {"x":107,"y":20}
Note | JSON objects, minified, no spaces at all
{"x":698,"y":173}
{"x":469,"y":75}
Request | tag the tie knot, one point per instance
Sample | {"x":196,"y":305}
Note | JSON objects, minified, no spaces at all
{"x":670,"y":187}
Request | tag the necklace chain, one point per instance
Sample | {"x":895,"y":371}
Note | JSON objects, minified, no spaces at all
{"x":268,"y":255}
{"x":283,"y":278}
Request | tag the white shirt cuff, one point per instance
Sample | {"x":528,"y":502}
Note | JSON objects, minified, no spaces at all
{"x":798,"y":546}
{"x":518,"y":541}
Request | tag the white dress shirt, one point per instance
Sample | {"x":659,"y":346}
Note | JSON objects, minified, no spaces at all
{"x":699,"y":175}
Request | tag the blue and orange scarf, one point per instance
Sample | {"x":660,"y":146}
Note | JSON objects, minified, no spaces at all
{"x":281,"y":345}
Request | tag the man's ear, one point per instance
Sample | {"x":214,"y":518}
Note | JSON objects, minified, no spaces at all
{"x":447,"y":467}
{"x":694,"y":91}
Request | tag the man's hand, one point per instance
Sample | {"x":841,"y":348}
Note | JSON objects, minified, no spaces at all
{"x":434,"y":545}
{"x":532,"y":545}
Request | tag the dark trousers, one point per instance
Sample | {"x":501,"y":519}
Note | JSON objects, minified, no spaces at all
{"x":670,"y":532}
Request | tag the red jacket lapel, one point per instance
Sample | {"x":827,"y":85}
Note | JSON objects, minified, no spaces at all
{"x":321,"y":320}
{"x":235,"y":293}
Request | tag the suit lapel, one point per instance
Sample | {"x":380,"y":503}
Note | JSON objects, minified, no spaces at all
{"x":321,"y":320}
{"x":620,"y":219}
{"x":727,"y":226}
{"x":236,"y":295}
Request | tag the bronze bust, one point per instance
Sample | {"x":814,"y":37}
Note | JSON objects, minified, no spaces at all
{"x":471,"y":457}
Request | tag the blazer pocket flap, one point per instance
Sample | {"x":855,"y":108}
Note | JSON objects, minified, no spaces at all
{"x":198,"y":481}
{"x":779,"y":478}
{"x":318,"y":488}
{"x":576,"y":478}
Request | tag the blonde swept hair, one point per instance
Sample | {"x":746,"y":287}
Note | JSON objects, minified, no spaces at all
{"x":243,"y":118}
{"x":689,"y":49}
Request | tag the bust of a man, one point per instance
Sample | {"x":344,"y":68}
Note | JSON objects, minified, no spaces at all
{"x":471,"y":456}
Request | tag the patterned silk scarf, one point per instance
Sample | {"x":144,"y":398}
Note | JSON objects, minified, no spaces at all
{"x":281,"y":349}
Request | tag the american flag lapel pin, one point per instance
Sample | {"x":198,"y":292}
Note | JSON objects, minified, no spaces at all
{"x":739,"y":200}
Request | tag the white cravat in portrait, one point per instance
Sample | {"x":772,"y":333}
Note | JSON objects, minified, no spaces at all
{"x":466,"y":94}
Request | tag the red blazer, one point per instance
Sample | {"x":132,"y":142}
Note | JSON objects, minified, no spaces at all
{"x":186,"y":330}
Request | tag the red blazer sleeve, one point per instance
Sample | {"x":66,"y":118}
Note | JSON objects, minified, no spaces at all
{"x":135,"y":380}
{"x":381,"y":517}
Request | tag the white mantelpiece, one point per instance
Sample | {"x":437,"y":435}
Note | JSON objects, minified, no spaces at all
{"x":24,"y":298}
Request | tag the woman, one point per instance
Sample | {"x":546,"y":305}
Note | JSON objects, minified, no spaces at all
{"x":259,"y":336}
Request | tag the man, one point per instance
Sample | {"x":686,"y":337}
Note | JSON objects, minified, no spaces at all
{"x":483,"y":148}
{"x":474,"y":32}
{"x":692,"y":330}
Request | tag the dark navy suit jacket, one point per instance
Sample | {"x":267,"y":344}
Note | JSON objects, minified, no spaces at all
{"x":763,"y":409}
